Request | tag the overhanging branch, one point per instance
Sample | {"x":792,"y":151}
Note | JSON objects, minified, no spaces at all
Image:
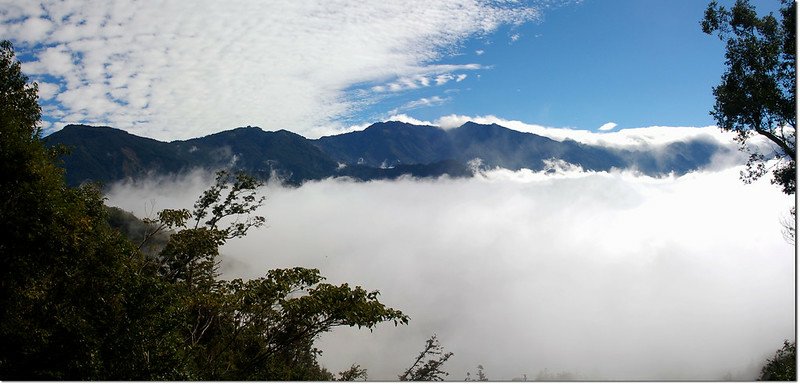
{"x":790,"y":152}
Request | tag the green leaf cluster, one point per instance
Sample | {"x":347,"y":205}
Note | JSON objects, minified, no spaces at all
{"x":757,"y":94}
{"x":783,"y":365}
{"x":79,"y":300}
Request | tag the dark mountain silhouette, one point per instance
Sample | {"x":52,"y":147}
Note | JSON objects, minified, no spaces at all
{"x":260,"y":153}
{"x":393,"y":143}
{"x":383,"y":150}
{"x":389,"y":143}
{"x":502,"y":147}
{"x":108,"y":154}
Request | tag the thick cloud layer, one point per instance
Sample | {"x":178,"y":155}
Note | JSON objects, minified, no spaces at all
{"x":605,"y":276}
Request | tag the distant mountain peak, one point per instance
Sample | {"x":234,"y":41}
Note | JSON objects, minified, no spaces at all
{"x":72,"y":128}
{"x":248,"y":128}
{"x":472,"y":124}
{"x":394,"y":124}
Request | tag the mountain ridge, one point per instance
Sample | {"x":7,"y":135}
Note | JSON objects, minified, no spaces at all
{"x":382,"y":150}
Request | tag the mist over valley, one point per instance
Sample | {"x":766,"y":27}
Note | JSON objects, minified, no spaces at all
{"x":604,"y":275}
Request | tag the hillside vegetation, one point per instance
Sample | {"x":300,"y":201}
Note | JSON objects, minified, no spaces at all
{"x":80,"y":301}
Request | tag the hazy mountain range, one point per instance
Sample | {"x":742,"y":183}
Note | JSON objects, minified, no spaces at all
{"x":382,"y":150}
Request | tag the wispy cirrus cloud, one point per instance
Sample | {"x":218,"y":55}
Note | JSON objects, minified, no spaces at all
{"x":425,"y":102}
{"x":436,"y":76}
{"x":419,"y":103}
{"x":169,"y":70}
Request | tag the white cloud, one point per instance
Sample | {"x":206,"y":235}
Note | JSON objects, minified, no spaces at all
{"x":17,"y":10}
{"x":479,"y":52}
{"x":278,"y":64}
{"x":628,"y":137}
{"x":424,"y":79}
{"x":408,"y":119}
{"x":443,"y":79}
{"x":47,"y":90}
{"x":34,"y":29}
{"x":424,"y":102}
{"x":605,"y":275}
{"x":452,"y":121}
{"x":55,"y":61}
{"x":419,"y":103}
{"x":607,"y":126}
{"x":334,"y":129}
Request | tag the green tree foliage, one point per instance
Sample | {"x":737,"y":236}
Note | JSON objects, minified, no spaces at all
{"x":430,"y":369}
{"x":256,"y":329}
{"x":757,"y":93}
{"x":66,"y":297}
{"x":80,"y":301}
{"x":354,"y":373}
{"x":782,"y":366}
{"x":137,"y":230}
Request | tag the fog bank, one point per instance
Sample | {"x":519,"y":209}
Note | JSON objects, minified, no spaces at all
{"x":604,"y":275}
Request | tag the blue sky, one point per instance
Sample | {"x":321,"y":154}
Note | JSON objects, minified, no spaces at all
{"x":322,"y":67}
{"x":637,"y":63}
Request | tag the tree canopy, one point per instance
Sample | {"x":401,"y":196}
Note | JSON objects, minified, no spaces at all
{"x":80,"y":301}
{"x":757,"y":92}
{"x":783,"y":365}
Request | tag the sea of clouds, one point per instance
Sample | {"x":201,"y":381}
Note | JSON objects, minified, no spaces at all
{"x":602,"y":275}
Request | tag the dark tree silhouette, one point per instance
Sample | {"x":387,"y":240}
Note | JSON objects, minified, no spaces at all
{"x":430,"y":370}
{"x":757,"y":93}
{"x":782,"y":366}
